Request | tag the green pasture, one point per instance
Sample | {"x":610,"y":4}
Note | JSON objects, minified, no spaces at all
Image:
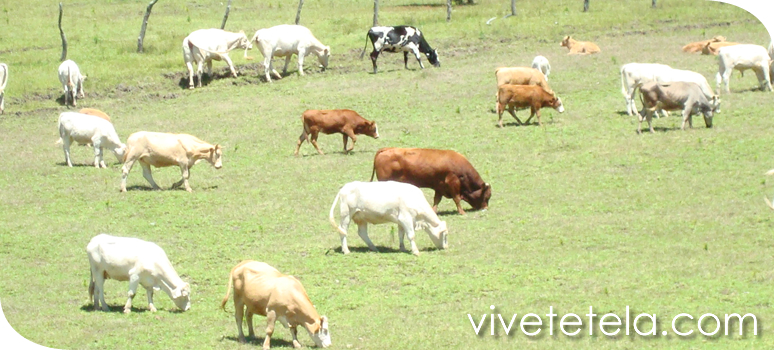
{"x":584,"y":211}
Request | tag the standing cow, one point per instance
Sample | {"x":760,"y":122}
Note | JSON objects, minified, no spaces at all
{"x":284,"y":41}
{"x":88,"y":129}
{"x":72,"y":81}
{"x":3,"y":82}
{"x":742,"y":57}
{"x":400,"y":39}
{"x":344,"y":121}
{"x":678,"y":95}
{"x":523,"y":96}
{"x":162,"y":150}
{"x":381,"y":202}
{"x":447,"y":172}
{"x":204,"y":45}
{"x":541,"y":63}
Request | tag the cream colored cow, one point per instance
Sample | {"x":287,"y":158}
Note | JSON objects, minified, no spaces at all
{"x":162,"y":150}
{"x":579,"y":47}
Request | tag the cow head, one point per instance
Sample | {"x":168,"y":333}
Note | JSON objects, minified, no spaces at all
{"x":432,"y":57}
{"x":323,"y":57}
{"x":322,"y":336}
{"x":556,"y":103}
{"x":120,"y":151}
{"x":439,"y":235}
{"x":479,"y":199}
{"x":707,"y":110}
{"x":715,"y":103}
{"x":216,"y":154}
{"x":182,"y":297}
{"x":368,"y":128}
{"x":566,"y":41}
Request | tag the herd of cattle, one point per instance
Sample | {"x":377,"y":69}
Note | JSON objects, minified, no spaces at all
{"x":394,"y":198}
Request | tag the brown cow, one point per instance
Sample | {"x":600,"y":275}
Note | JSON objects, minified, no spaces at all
{"x":447,"y":172}
{"x":94,"y":112}
{"x":712,"y":48}
{"x":344,"y":121}
{"x":579,"y":47}
{"x":697,"y":46}
{"x":522,"y":96}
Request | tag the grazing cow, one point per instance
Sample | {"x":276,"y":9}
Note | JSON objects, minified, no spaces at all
{"x":400,"y":39}
{"x":712,"y":48}
{"x":3,"y":82}
{"x":579,"y":47}
{"x":204,"y":45}
{"x":521,"y":76}
{"x":677,"y":95}
{"x":743,"y":57}
{"x":381,"y":202}
{"x":696,"y":47}
{"x":522,"y":96}
{"x":162,"y":150}
{"x":94,"y":112}
{"x":72,"y":81}
{"x":136,"y":261}
{"x":344,"y":121}
{"x":261,"y":289}
{"x":88,"y":129}
{"x":447,"y":172}
{"x":284,"y":41}
{"x":633,"y":74}
{"x":541,"y":63}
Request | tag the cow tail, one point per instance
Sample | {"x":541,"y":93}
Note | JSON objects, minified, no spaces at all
{"x":365,"y":47}
{"x":228,"y":291}
{"x":623,"y":84}
{"x":332,"y":220}
{"x":373,"y":172}
{"x":634,"y":91}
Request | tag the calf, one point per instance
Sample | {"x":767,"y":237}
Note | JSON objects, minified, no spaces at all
{"x":400,"y":39}
{"x":447,"y":172}
{"x":88,"y":129}
{"x":3,"y":82}
{"x":94,"y":112}
{"x":205,"y":45}
{"x":678,"y":95}
{"x":72,"y":81}
{"x":344,"y":121}
{"x":522,"y":96}
{"x":136,"y":261}
{"x":541,"y":63}
{"x":712,"y":48}
{"x":284,"y":41}
{"x":579,"y":47}
{"x":742,"y":57}
{"x":380,"y":202}
{"x":162,"y":150}
{"x":261,"y":289}
{"x":697,"y":46}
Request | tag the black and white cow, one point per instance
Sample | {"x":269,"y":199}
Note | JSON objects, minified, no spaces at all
{"x":400,"y":38}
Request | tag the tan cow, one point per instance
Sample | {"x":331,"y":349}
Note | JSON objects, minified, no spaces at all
{"x":520,"y":76}
{"x":696,"y":47}
{"x":522,"y":96}
{"x":162,"y":150}
{"x":261,"y":289}
{"x":712,"y":48}
{"x":579,"y":47}
{"x":94,"y":112}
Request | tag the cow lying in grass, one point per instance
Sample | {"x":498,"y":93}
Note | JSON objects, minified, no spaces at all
{"x":579,"y":47}
{"x":696,"y":47}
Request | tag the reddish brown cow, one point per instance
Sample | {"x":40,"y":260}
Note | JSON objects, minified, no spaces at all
{"x":343,"y":121}
{"x":447,"y":172}
{"x":522,"y":96}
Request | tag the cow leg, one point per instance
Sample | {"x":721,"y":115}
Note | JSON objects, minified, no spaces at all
{"x":66,"y":142}
{"x":134,"y":282}
{"x":313,"y":140}
{"x":287,"y":63}
{"x":149,"y":292}
{"x":99,"y":290}
{"x":374,"y":56}
{"x":513,"y":114}
{"x":649,"y":117}
{"x":301,"y":55}
{"x":351,"y":135}
{"x":405,"y":59}
{"x":437,"y":199}
{"x":125,"y":169}
{"x":239,"y":310}
{"x":146,"y":172}
{"x":362,"y":230}
{"x":301,"y":139}
{"x":401,"y":233}
{"x":345,"y":143}
{"x":687,"y":117}
{"x":249,"y":320}
{"x":184,"y":181}
{"x":406,"y":222}
{"x":230,"y":65}
{"x":454,"y":187}
{"x":98,"y":161}
{"x":294,"y":333}
{"x":419,"y":58}
{"x":343,"y":226}
{"x":532,"y":114}
{"x":271,"y":318}
{"x":189,"y":66}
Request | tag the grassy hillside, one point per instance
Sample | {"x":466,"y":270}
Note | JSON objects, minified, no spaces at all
{"x":584,"y":211}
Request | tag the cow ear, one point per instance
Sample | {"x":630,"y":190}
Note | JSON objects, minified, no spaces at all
{"x":212,"y":150}
{"x":327,"y":50}
{"x":324,"y":322}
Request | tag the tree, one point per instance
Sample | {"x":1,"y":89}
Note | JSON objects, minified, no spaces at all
{"x":585,"y":5}
{"x":144,"y":25}
{"x":62,"y":34}
{"x":653,"y":4}
{"x":513,"y":7}
{"x":225,"y":17}
{"x":448,"y":10}
{"x":376,"y":13}
{"x":298,"y":13}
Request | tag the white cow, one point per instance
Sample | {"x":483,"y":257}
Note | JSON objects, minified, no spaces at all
{"x":742,"y":57}
{"x":541,"y":63}
{"x":136,"y":261}
{"x":284,"y":41}
{"x":72,"y":81}
{"x":387,"y":201}
{"x":88,"y":129}
{"x":3,"y":81}
{"x":634,"y":74}
{"x":204,"y":45}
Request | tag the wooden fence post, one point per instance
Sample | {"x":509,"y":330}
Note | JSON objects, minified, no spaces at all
{"x":225,"y":17}
{"x":144,"y":25}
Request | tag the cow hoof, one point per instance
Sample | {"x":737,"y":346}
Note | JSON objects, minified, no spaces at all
{"x":127,"y":311}
{"x":416,"y":253}
{"x":190,"y":87}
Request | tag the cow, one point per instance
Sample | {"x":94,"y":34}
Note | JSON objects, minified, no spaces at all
{"x":382,"y":202}
{"x":633,"y":74}
{"x":522,"y":96}
{"x":678,"y":95}
{"x":400,"y":39}
{"x":162,"y":150}
{"x":696,"y":47}
{"x":94,"y":112}
{"x":136,"y":261}
{"x":344,"y":121}
{"x":72,"y":81}
{"x":263,"y":290}
{"x":521,"y":76}
{"x":541,"y":63}
{"x":87,"y":129}
{"x":204,"y":45}
{"x":579,"y":47}
{"x":447,"y":172}
{"x":3,"y":82}
{"x":742,"y":57}
{"x":284,"y":41}
{"x":712,"y":48}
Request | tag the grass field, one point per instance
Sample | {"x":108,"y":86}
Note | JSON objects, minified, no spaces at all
{"x":584,"y":211}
